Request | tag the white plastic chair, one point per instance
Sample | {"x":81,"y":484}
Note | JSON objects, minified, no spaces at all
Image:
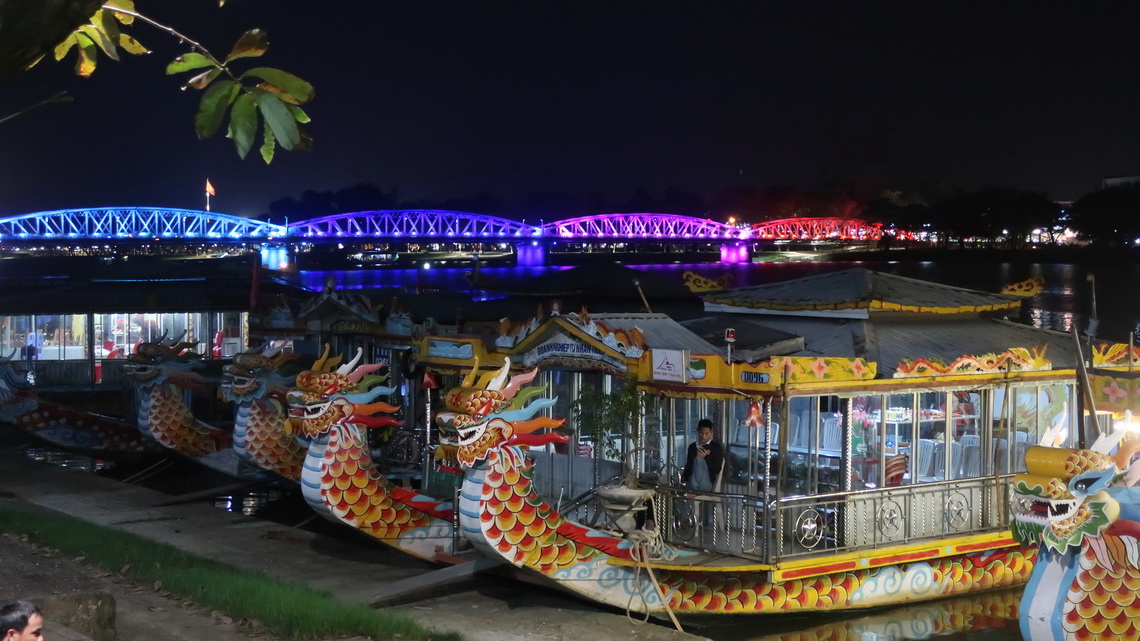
{"x":971,"y":462}
{"x":832,"y":437}
{"x":925,"y":468}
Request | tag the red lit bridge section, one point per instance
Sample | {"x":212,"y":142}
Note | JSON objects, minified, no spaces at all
{"x":833,"y":229}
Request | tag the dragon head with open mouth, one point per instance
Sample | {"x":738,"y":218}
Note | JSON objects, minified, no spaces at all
{"x":496,"y":410}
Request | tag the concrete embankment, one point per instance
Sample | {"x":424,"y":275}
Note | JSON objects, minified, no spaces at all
{"x":481,"y":609}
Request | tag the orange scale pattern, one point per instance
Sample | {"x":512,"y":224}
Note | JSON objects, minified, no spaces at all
{"x":1103,"y":603}
{"x":172,"y":424}
{"x":520,"y":524}
{"x":362,"y":497}
{"x":270,"y":448}
{"x":708,"y":592}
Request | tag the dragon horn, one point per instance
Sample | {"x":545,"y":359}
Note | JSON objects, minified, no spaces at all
{"x":359,"y":372}
{"x":517,"y":382}
{"x":1123,"y":455}
{"x":343,"y":370}
{"x":469,"y":380}
{"x":319,"y":364}
{"x":500,"y":377}
{"x":534,"y":424}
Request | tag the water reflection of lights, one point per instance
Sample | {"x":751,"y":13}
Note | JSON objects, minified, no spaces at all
{"x":68,"y":459}
{"x":248,"y":503}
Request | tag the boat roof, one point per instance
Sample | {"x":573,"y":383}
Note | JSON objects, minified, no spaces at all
{"x":857,"y":293}
{"x":885,"y":340}
{"x":660,"y":331}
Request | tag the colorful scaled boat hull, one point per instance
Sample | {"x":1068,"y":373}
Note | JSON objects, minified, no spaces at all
{"x":1083,"y":508}
{"x":333,"y":406}
{"x":253,"y":384}
{"x":81,"y":432}
{"x":157,"y":369}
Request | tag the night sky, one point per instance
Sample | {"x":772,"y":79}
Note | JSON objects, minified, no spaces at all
{"x":453,"y":99}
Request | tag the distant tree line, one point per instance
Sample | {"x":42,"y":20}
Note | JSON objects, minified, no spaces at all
{"x":1009,"y":217}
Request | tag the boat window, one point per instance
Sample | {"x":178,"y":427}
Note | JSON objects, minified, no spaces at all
{"x":865,"y":418}
{"x":814,"y":457}
{"x":932,"y":430}
{"x":964,"y":458}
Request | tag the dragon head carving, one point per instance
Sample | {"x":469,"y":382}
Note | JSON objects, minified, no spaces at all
{"x":329,"y":397}
{"x":254,"y":375}
{"x":496,"y":410}
{"x":154,"y":363}
{"x":1064,"y":495}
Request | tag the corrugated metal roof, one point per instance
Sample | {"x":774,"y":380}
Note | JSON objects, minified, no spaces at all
{"x":858,"y":288}
{"x":888,"y":340}
{"x":660,"y":331}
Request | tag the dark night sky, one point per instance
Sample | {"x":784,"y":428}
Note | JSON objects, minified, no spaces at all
{"x":451,"y":99}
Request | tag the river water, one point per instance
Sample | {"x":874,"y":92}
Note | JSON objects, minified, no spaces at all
{"x":1096,"y":287}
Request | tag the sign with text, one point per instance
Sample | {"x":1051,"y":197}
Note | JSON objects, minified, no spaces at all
{"x":670,"y":365}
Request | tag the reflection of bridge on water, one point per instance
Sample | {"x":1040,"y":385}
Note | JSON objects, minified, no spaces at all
{"x":147,"y":225}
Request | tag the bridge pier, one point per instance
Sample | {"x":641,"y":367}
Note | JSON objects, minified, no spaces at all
{"x":532,"y":254}
{"x":736,"y":253}
{"x":278,"y":257}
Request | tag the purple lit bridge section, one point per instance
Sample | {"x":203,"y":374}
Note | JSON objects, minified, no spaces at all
{"x":734,"y":241}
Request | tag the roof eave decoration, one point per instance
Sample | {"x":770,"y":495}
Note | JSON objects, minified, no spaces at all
{"x":518,"y":337}
{"x":1115,"y":355}
{"x":873,"y":305}
{"x":709,"y":373}
{"x":1016,"y":359}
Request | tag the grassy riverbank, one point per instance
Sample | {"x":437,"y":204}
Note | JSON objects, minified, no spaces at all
{"x":290,"y":611}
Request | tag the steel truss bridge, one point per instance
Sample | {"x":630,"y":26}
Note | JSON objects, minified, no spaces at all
{"x":139,"y":225}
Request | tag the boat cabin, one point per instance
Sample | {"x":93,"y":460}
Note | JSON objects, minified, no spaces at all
{"x":856,"y":410}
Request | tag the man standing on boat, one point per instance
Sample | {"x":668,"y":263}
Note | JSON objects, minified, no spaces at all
{"x":705,"y":461}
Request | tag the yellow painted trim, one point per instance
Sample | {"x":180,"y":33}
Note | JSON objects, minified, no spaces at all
{"x":759,"y":567}
{"x":943,"y":547}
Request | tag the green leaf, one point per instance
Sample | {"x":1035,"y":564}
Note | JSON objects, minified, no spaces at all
{"x":106,"y":23}
{"x":283,"y":80}
{"x":298,"y":114}
{"x":188,"y":62}
{"x":251,"y":44}
{"x":268,"y":146}
{"x":85,"y":62}
{"x":212,"y":108}
{"x":98,"y":37}
{"x":243,"y":123}
{"x":62,"y":48}
{"x":278,"y":118}
{"x":125,"y":5}
{"x":202,"y":80}
{"x":130,"y":45}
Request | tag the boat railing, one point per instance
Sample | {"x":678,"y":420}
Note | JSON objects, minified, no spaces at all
{"x":825,"y":524}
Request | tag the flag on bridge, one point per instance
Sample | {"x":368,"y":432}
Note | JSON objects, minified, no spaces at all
{"x":210,"y":188}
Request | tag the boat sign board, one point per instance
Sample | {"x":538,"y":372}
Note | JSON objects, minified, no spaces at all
{"x":561,"y":346}
{"x":670,"y":365}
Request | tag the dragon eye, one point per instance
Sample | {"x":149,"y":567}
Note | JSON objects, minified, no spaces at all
{"x":1083,"y":484}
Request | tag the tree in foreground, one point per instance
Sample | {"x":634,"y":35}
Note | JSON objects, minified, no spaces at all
{"x":259,"y":97}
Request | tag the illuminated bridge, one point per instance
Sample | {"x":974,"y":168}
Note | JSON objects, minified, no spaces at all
{"x":139,"y":225}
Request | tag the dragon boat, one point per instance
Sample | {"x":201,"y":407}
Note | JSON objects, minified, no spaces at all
{"x":86,"y":433}
{"x":1081,"y":506}
{"x":873,"y":426}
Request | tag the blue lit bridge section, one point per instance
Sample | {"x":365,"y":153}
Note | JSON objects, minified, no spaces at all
{"x":666,"y":227}
{"x":137,"y":224}
{"x":419,"y":224}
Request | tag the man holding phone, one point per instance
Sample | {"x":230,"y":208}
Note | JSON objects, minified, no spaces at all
{"x":705,"y":460}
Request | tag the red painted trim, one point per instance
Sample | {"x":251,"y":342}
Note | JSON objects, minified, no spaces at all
{"x":896,"y":558}
{"x":818,"y":569}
